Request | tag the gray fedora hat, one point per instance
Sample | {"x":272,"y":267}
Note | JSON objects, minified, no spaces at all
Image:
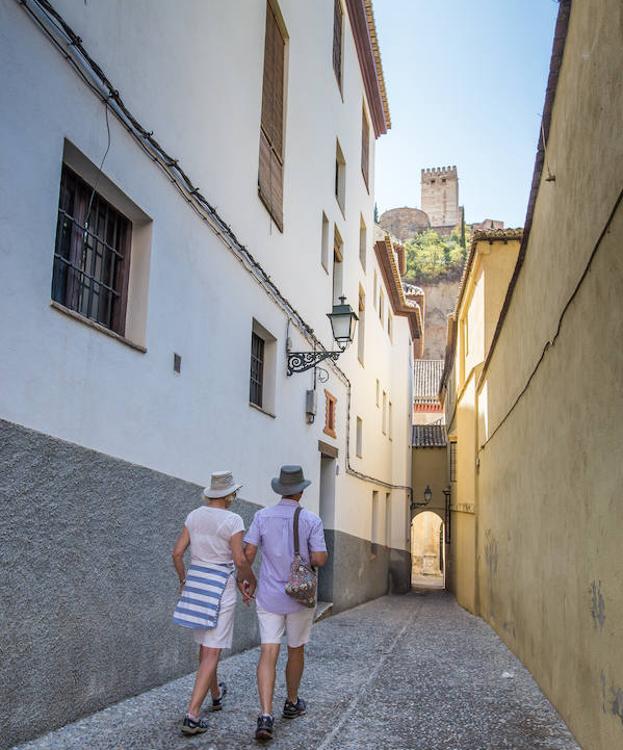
{"x":290,"y":481}
{"x":221,"y":484}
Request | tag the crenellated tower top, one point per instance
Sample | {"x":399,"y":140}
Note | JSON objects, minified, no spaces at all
{"x":440,"y":195}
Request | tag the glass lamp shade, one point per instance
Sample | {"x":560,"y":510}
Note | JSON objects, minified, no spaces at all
{"x":428,"y":494}
{"x":343,"y":321}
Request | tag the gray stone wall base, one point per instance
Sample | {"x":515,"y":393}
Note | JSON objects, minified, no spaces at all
{"x":87,"y":586}
{"x":358,"y":571}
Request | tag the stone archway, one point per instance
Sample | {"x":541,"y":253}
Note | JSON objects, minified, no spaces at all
{"x":427,"y":550}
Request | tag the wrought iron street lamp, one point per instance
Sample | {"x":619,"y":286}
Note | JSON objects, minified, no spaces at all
{"x":428,"y":496}
{"x":343,"y":323}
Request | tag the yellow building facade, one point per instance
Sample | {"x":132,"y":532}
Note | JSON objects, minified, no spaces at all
{"x":533,"y":398}
{"x":488,"y":270}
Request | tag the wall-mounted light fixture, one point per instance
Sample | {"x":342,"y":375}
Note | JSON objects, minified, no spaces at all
{"x":428,"y":496}
{"x":343,"y":322}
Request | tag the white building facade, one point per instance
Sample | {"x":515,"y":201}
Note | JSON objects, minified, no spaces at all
{"x":186,"y":191}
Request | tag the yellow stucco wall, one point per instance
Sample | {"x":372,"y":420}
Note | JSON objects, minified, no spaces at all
{"x":550,"y":552}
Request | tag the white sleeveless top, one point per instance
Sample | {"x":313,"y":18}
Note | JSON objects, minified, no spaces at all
{"x":211,"y":530}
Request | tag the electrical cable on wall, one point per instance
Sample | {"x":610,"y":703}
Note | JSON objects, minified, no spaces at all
{"x":70,"y":46}
{"x":551,"y":342}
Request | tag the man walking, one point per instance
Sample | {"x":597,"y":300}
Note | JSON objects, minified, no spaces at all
{"x":278,"y":613}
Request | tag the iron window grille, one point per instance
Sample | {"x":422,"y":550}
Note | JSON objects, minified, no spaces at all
{"x":452,"y":449}
{"x":257,"y":370}
{"x":91,"y":255}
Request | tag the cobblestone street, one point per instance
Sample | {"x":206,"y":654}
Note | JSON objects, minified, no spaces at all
{"x":412,"y":673}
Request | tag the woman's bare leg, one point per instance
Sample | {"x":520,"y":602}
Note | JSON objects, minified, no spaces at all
{"x":206,"y":674}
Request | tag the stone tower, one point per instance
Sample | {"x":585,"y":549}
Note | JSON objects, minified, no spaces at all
{"x":440,"y":196}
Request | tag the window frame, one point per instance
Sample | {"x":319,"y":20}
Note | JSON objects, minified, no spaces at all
{"x":365,"y":148}
{"x":359,"y":438}
{"x":338,"y":44}
{"x":330,"y":414}
{"x":272,"y":128}
{"x":340,"y":178}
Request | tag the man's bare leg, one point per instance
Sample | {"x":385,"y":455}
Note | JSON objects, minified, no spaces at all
{"x":294,"y":671}
{"x":266,"y":674}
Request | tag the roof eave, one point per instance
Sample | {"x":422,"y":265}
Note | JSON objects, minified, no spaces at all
{"x":361,"y":17}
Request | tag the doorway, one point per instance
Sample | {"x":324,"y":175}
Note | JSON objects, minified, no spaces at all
{"x":326,"y":510}
{"x":428,"y":561}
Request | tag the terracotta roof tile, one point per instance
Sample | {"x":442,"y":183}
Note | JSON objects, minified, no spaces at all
{"x":429,"y":436}
{"x":426,"y":378}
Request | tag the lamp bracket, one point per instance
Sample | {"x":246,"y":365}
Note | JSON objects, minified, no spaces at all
{"x":302,"y":361}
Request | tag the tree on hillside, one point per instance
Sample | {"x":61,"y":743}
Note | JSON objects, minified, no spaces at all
{"x":431,"y":257}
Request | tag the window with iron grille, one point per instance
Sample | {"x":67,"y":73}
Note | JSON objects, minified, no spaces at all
{"x":91,"y":255}
{"x":452,"y":461}
{"x":257,"y":370}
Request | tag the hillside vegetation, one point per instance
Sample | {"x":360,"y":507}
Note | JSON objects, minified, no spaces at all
{"x":431,"y":257}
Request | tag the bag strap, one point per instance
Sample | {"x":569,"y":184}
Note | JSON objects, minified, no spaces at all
{"x":297,"y":546}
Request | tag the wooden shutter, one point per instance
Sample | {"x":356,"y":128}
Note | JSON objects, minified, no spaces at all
{"x":365,"y":147}
{"x":271,"y":136}
{"x":337,"y":41}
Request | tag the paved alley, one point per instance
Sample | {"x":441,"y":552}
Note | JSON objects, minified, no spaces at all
{"x":411,"y":673}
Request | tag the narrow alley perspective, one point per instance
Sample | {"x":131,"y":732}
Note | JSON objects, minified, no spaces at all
{"x":414,"y":672}
{"x":311,"y":376}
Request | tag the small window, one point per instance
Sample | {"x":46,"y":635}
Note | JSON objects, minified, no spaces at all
{"x":338,"y":22}
{"x":374,"y":525}
{"x":452,"y":460}
{"x":324,"y":247}
{"x":330,"y":414}
{"x":390,"y":420}
{"x":365,"y":150}
{"x":378,"y":393}
{"x":388,"y":519}
{"x":381,"y":306}
{"x":338,"y":266}
{"x":375,"y":295}
{"x":340,"y":178}
{"x":390,"y":326}
{"x":384,"y":414}
{"x":359,"y":441}
{"x":363,"y":243}
{"x":361,"y":328}
{"x":263,"y":369}
{"x":91,"y":255}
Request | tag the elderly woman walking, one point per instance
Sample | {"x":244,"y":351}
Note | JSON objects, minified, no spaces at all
{"x":208,"y":591}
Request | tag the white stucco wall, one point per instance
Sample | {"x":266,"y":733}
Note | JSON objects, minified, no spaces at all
{"x":197,"y":85}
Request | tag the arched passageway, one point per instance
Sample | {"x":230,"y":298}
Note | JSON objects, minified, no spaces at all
{"x":427,"y":551}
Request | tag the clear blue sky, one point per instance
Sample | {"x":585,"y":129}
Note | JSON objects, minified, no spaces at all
{"x":466,"y":83}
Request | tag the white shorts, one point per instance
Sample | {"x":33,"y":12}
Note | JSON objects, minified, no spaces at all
{"x":297,"y":625}
{"x":222,"y":635}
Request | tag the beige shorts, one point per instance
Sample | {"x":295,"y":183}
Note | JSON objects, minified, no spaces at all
{"x":297,"y":626}
{"x":222,"y":635}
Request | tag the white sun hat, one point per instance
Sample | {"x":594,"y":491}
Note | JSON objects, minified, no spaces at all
{"x":221,"y":484}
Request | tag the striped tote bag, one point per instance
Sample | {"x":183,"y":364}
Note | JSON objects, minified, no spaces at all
{"x":200,"y":601}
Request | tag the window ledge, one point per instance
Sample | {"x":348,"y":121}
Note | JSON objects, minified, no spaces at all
{"x":96,"y":326}
{"x":259,"y":408}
